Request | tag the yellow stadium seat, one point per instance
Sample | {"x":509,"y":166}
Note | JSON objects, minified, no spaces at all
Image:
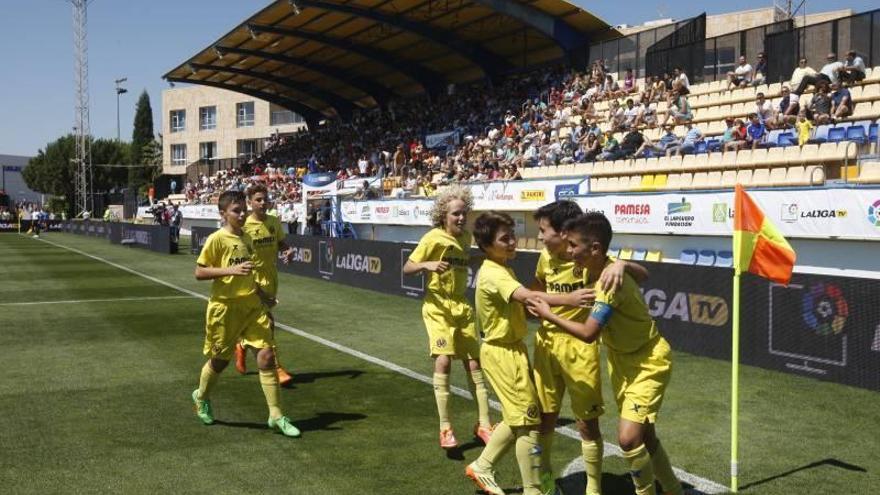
{"x":728,"y":179}
{"x":625,"y":253}
{"x":795,"y":176}
{"x":777,"y":176}
{"x":647,"y":182}
{"x":869,"y":173}
{"x":653,"y":256}
{"x":660,"y":181}
{"x":792,"y":154}
{"x":761,"y":177}
{"x":744,"y":177}
{"x":713,"y":179}
{"x":850,"y":172}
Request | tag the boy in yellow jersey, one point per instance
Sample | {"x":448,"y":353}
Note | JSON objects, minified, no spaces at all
{"x":237,"y":310}
{"x":562,"y":361}
{"x":268,"y":237}
{"x":638,"y":356}
{"x":505,"y":358}
{"x":444,"y":253}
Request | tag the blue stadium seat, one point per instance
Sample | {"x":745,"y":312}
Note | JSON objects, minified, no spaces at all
{"x":688,"y":256}
{"x":787,"y":139}
{"x":724,"y":259}
{"x":713,"y":144}
{"x":639,"y":254}
{"x":614,"y":251}
{"x":836,"y":134}
{"x":706,"y":257}
{"x":772,"y":138}
{"x":856,"y":133}
{"x":701,"y":147}
{"x":821,"y":134}
{"x":873,"y":131}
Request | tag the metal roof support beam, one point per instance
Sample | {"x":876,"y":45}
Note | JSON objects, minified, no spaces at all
{"x":429,"y":79}
{"x":378,"y":92}
{"x":492,"y":64}
{"x":343,"y":107}
{"x":311,"y":115}
{"x":564,"y":34}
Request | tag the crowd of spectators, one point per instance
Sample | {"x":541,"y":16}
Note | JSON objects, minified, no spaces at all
{"x":546,"y":117}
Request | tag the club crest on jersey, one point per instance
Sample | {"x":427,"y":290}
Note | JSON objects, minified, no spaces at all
{"x":532,"y":411}
{"x":441,"y":342}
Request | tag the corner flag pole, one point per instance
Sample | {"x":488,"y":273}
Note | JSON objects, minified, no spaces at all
{"x":734,"y":388}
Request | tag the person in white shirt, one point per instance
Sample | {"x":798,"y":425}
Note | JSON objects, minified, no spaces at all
{"x":362,"y":165}
{"x":827,"y":76}
{"x":741,"y":75}
{"x":681,"y":81}
{"x":799,"y":72}
{"x":853,"y":69}
{"x":764,"y":109}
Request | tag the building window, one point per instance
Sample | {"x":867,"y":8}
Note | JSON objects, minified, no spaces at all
{"x":207,"y":118}
{"x":247,"y":148}
{"x":245,"y":114}
{"x":178,"y":154}
{"x":178,"y":120}
{"x":283,"y":117}
{"x":208,"y":151}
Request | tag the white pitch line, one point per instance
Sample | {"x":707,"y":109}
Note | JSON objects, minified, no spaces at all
{"x":78,"y":301}
{"x":702,"y":484}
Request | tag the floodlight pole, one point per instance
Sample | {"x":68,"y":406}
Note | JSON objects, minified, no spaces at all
{"x":119,"y":90}
{"x":83,"y":178}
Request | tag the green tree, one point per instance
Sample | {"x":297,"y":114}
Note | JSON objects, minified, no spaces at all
{"x":52,"y":170}
{"x":141,"y":137}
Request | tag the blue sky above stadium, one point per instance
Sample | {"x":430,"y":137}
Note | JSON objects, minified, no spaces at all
{"x":143,"y":40}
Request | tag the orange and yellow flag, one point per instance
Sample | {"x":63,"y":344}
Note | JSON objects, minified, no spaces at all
{"x":758,"y":247}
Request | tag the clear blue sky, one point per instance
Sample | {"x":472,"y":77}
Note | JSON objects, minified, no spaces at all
{"x":142,"y":40}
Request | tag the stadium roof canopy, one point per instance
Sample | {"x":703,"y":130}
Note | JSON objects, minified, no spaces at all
{"x":328,"y":57}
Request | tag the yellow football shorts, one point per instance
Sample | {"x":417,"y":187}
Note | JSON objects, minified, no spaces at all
{"x":639,"y":380}
{"x":563,"y":362}
{"x":507,"y":368}
{"x":228,"y":321}
{"x":452,"y":330}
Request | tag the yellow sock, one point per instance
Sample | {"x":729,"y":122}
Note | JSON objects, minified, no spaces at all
{"x":269,"y":382}
{"x":478,"y":388}
{"x":663,"y":471}
{"x":207,"y":380}
{"x":499,"y":443}
{"x":528,"y":457}
{"x":546,"y":442}
{"x":441,"y":395}
{"x":592,"y":451}
{"x":640,"y":469}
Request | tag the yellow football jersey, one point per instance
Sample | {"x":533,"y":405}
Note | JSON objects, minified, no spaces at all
{"x":559,"y":277}
{"x":502,"y":319}
{"x":627,"y":325}
{"x":224,"y":249}
{"x":439,"y":245}
{"x":267,"y":236}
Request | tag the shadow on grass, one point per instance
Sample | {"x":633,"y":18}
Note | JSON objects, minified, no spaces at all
{"x":824,"y":462}
{"x":457,"y":454}
{"x":312,"y":377}
{"x":325,"y":421}
{"x":241,"y":424}
{"x":612,"y":484}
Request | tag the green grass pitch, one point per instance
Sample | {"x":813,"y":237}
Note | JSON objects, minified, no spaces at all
{"x":94,"y":396}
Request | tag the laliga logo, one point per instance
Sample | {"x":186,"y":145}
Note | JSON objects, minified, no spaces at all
{"x":359,"y":263}
{"x":824,"y":309}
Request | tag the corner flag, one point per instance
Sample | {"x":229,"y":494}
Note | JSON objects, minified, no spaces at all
{"x":758,"y":247}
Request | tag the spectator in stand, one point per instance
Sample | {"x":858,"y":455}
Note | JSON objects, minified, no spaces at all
{"x":827,"y":76}
{"x":658,"y":89}
{"x":363,"y":164}
{"x":789,"y":107}
{"x":841,"y":102}
{"x":592,"y":147}
{"x":730,"y":137}
{"x":679,"y":109}
{"x":741,"y":75}
{"x":689,"y":143}
{"x":804,"y":127}
{"x":648,"y":115}
{"x":630,"y":115}
{"x":681,"y":83}
{"x":820,"y":106}
{"x":629,"y":83}
{"x":756,"y":131}
{"x":800,"y":72}
{"x":399,"y":160}
{"x":853,"y":69}
{"x":632,"y":142}
{"x":610,"y":148}
{"x":764,"y":110}
{"x":649,"y":148}
{"x":759,"y":74}
{"x":616,"y":115}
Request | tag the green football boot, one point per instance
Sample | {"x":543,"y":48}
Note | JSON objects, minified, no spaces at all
{"x":202,"y":408}
{"x":284,"y":425}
